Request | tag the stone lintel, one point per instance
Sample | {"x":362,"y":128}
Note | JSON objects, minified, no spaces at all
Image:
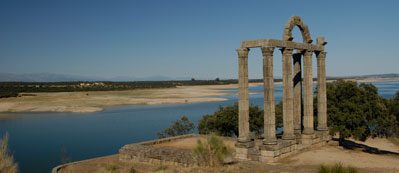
{"x":281,"y":44}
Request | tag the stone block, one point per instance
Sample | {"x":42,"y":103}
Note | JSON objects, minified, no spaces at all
{"x":249,"y":144}
{"x":156,"y":155}
{"x":285,"y":150}
{"x":323,"y":135}
{"x":265,"y":153}
{"x":293,"y":147}
{"x":241,"y":153}
{"x":269,"y":147}
{"x":308,"y":139}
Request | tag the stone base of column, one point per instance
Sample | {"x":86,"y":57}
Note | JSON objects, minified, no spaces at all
{"x":323,"y":135}
{"x":243,"y":150}
{"x":309,"y":139}
{"x":289,"y":137}
{"x":270,"y":153}
{"x":244,"y":139}
{"x":322,"y":128}
{"x":308,"y":131}
{"x":298,"y":135}
{"x":271,"y":141}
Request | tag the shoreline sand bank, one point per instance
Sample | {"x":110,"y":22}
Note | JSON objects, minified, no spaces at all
{"x":94,"y":101}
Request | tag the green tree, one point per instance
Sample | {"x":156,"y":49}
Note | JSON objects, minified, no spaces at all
{"x":357,"y":110}
{"x":179,"y":127}
{"x":391,"y":125}
{"x":224,"y":121}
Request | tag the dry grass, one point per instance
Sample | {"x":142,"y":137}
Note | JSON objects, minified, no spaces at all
{"x":394,"y":140}
{"x":337,"y":168}
{"x":212,"y":152}
{"x":7,"y":164}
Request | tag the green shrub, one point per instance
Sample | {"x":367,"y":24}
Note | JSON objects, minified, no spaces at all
{"x":211,"y":152}
{"x":224,"y":121}
{"x":7,"y":164}
{"x":179,"y":127}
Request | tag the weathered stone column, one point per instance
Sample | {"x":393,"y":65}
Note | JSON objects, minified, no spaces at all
{"x":321,"y":92}
{"x":297,"y":92}
{"x":307,"y":94}
{"x":268,"y":84}
{"x":243,"y":98}
{"x":288,"y":108}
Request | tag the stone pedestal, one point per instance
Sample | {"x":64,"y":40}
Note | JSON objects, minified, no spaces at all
{"x":323,"y":135}
{"x":309,"y":139}
{"x":243,"y":150}
{"x":268,"y":153}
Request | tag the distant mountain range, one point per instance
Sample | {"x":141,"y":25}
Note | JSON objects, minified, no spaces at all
{"x":52,"y":77}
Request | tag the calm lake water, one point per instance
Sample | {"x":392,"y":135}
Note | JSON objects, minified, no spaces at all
{"x":36,"y":139}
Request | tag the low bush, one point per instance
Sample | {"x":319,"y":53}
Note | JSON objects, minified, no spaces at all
{"x":212,"y":152}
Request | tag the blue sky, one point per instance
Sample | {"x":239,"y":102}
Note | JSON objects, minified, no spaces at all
{"x":188,"y":38}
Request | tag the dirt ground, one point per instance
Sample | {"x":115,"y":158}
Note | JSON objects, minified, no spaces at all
{"x":361,"y":155}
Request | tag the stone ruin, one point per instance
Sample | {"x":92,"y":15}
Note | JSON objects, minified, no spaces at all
{"x":270,"y":149}
{"x":294,"y":137}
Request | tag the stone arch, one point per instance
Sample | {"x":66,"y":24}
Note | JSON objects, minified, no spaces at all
{"x":291,"y":23}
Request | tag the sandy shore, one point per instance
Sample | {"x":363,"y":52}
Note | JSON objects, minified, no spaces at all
{"x":94,"y":101}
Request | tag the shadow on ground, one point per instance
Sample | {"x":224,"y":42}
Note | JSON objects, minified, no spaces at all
{"x":347,"y":144}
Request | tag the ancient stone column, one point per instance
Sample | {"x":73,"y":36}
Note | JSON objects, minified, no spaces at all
{"x":243,"y":98}
{"x":297,"y":92}
{"x":321,"y":92}
{"x":307,"y":94}
{"x":268,"y":84}
{"x":288,"y":108}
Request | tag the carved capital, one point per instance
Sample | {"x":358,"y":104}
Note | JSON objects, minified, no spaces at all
{"x":307,"y":53}
{"x":286,"y":51}
{"x":242,"y":52}
{"x":267,"y":51}
{"x":320,"y":55}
